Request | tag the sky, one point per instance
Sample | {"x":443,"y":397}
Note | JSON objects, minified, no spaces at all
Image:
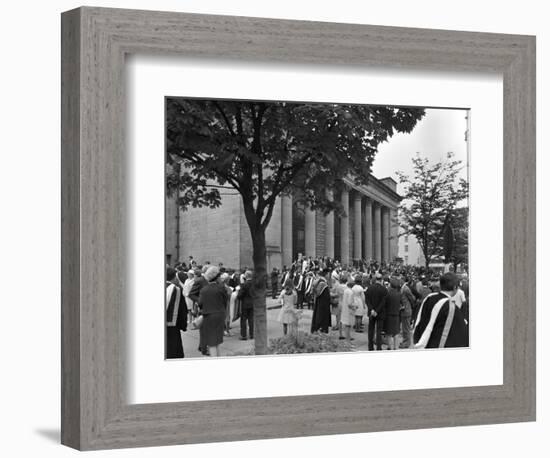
{"x":440,"y":131}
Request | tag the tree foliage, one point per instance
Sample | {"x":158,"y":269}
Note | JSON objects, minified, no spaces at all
{"x":265,"y":149}
{"x":429,"y":209}
{"x":459,"y":221}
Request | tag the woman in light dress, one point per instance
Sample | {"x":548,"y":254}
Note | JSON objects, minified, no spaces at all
{"x":288,"y":299}
{"x":227,"y":326}
{"x":359,"y":302}
{"x":347,"y":317}
{"x":186,"y":289}
{"x":338,"y":294}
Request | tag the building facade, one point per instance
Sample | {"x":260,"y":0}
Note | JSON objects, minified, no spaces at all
{"x":368,"y":230}
{"x":409,"y":251}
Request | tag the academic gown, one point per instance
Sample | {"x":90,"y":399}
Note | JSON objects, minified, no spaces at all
{"x":321,"y":319}
{"x":440,"y":324}
{"x":176,"y":320}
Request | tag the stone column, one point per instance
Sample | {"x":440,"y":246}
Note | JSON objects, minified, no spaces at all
{"x":286,"y":230}
{"x":357,"y":244}
{"x":386,"y":234}
{"x":344,"y":229}
{"x":377,"y":233}
{"x":367,"y":237}
{"x":310,"y":232}
{"x":329,"y":231}
{"x":394,"y":232}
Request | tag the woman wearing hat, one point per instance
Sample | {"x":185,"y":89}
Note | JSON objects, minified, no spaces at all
{"x":213,"y":300}
{"x":393,"y":307}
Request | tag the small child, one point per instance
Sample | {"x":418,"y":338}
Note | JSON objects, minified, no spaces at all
{"x":288,"y":299}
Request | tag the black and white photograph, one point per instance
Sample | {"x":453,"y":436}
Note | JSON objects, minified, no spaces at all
{"x":301,"y":227}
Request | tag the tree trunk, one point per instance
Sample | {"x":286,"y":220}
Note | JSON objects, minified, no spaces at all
{"x":260,"y":275}
{"x":427,"y":260}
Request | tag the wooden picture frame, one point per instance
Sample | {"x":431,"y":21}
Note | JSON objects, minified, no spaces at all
{"x":95,"y":413}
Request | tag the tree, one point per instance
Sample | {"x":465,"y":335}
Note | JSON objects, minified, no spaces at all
{"x":267,"y":149}
{"x":431,"y":197}
{"x":458,"y":220}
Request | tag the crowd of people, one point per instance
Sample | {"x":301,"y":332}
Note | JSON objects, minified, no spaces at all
{"x":209,"y":298}
{"x":398,"y":306}
{"x":392,"y":302}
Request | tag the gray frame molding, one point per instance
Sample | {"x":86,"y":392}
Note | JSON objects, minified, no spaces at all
{"x":95,"y":414}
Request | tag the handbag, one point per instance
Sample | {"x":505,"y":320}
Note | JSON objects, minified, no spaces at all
{"x":197,"y":322}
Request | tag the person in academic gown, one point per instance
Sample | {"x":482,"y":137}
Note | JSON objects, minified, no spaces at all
{"x":321,"y":319}
{"x":308,"y":288}
{"x":440,"y":323}
{"x":176,"y":316}
{"x":299,"y":285}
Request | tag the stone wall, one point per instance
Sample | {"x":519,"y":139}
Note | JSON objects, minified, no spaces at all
{"x":212,"y":234}
{"x":223,"y":235}
{"x":170,"y":230}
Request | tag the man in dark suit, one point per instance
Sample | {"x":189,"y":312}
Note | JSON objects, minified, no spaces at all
{"x":198,"y":284}
{"x":247,"y":306}
{"x":375,"y":298}
{"x":440,"y":323}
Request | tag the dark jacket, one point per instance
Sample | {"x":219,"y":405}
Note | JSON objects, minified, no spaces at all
{"x":245,"y":296}
{"x":213,"y":298}
{"x":376,"y":298}
{"x":393,"y":302}
{"x":408,"y":300}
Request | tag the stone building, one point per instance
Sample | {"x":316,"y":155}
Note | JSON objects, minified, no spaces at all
{"x":410,"y":251}
{"x":368,"y":231}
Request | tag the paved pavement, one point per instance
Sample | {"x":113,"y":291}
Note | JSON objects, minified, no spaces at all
{"x":232,"y":346}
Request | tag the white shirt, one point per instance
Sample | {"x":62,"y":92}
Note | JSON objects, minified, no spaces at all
{"x":459,"y":298}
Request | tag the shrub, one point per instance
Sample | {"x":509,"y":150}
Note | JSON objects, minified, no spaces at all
{"x":317,"y":342}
